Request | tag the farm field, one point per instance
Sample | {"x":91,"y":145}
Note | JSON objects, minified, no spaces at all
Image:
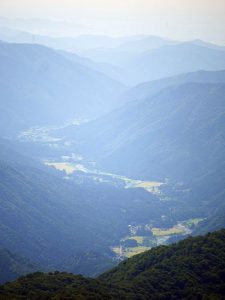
{"x":71,"y":168}
{"x":157,"y":236}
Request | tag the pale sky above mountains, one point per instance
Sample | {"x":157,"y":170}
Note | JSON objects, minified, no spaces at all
{"x":177,"y":19}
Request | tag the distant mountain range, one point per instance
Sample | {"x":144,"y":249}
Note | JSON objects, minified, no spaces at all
{"x":39,"y":86}
{"x":194,"y":98}
{"x":135,"y":59}
{"x":84,"y":42}
{"x":175,"y":59}
{"x":150,"y":88}
{"x":149,"y":109}
{"x":176,"y":132}
{"x":150,"y":60}
{"x":191,"y":269}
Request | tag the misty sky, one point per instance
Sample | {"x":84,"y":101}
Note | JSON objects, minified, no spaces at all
{"x":178,"y":19}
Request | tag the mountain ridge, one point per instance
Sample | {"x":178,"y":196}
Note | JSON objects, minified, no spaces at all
{"x":190,"y":269}
{"x":37,"y":79}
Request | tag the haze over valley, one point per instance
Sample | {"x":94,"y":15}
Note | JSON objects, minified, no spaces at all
{"x":112,"y":159}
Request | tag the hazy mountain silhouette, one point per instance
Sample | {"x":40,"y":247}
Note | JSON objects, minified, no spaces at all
{"x":39,"y":86}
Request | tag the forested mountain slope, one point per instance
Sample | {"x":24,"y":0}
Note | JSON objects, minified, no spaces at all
{"x":176,"y":59}
{"x":39,"y":86}
{"x":149,"y":88}
{"x":164,"y":135}
{"x":177,"y":133}
{"x":12,"y":266}
{"x":192,"y":269}
{"x":39,"y":210}
{"x":214,"y":222}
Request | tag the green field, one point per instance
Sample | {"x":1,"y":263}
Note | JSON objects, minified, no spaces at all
{"x":129,"y":252}
{"x":144,"y":243}
{"x":170,"y":231}
{"x":70,"y":168}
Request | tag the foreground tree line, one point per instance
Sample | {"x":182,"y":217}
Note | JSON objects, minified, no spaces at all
{"x":191,"y":269}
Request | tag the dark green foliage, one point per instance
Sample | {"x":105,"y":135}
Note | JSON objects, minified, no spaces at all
{"x":56,"y":285}
{"x":192,"y":269}
{"x":195,"y":266}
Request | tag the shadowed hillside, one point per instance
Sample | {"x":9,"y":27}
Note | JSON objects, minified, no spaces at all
{"x":39,"y":86}
{"x":192,"y":269}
